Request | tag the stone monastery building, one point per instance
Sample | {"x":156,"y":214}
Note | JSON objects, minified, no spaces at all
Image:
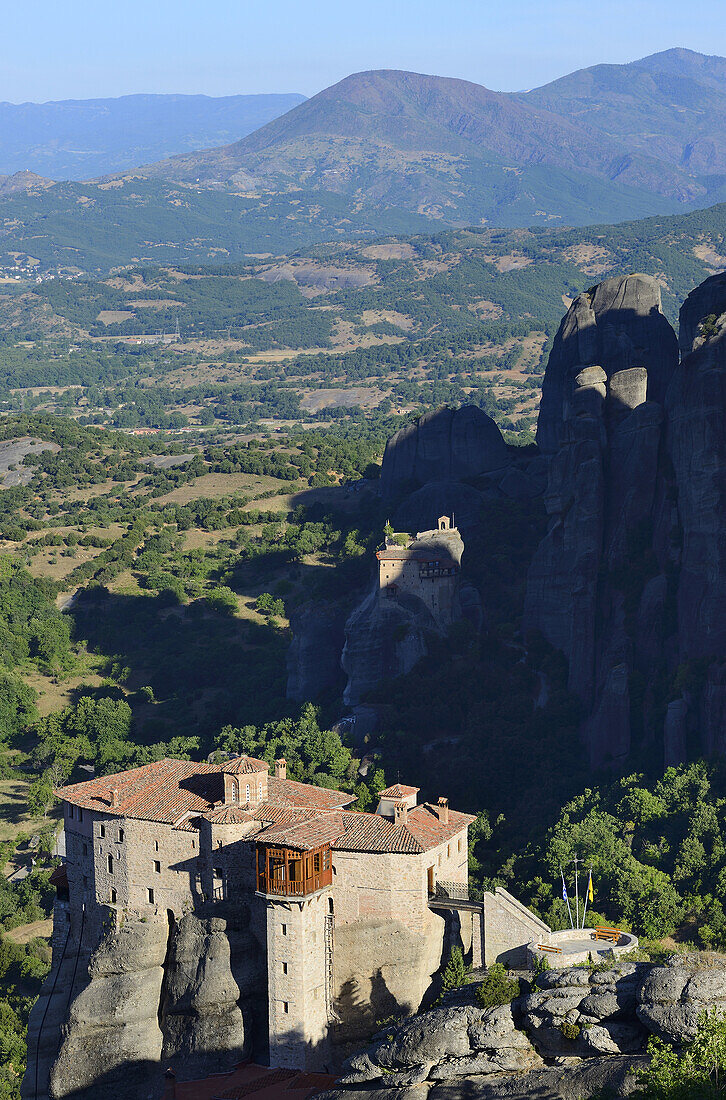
{"x":338,"y":901}
{"x":427,"y":566}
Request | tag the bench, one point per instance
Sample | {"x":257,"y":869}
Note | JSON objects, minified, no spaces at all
{"x":544,"y":947}
{"x":611,"y":934}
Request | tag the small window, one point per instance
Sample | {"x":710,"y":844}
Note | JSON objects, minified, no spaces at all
{"x":150,"y":895}
{"x":101,"y":830}
{"x":157,"y":866}
{"x":70,"y":810}
{"x":259,"y":791}
{"x":85,"y":849}
{"x":316,"y":863}
{"x":247,"y":793}
{"x":284,"y":968}
{"x":448,"y":851}
{"x":156,"y":845}
{"x":194,"y":844}
{"x":120,"y":836}
{"x":85,"y":882}
{"x":283,"y":929}
{"x":110,"y":864}
{"x":80,"y":814}
{"x":459,"y":843}
{"x":113,"y":896}
{"x":286,"y":1006}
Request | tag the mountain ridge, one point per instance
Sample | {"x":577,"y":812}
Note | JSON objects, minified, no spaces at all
{"x":79,"y":138}
{"x":460,"y":152}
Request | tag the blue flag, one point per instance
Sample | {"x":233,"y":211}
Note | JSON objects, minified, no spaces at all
{"x":564,"y":892}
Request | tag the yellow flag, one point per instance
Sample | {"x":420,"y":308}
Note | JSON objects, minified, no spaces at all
{"x":590,"y":891}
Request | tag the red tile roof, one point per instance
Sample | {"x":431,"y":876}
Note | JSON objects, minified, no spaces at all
{"x":244,"y":765}
{"x":296,"y":814}
{"x":167,"y":790}
{"x":322,"y":829}
{"x":348,"y":831}
{"x":262,"y":1082}
{"x":230,"y":815}
{"x":288,"y":792}
{"x":163,"y":791}
{"x":399,"y":790}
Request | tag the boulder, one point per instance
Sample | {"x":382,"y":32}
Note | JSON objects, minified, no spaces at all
{"x":445,"y":444}
{"x":616,"y":328}
{"x":671,"y":998}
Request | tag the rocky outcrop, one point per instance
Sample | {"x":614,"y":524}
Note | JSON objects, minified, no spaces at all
{"x":443,"y":445}
{"x":383,"y":639}
{"x":696,"y":438}
{"x":671,"y":998}
{"x":145,"y":995}
{"x":446,"y":1043}
{"x":577,"y":1013}
{"x":593,"y":1026}
{"x":111,"y":1037}
{"x":637,"y":445}
{"x":211,"y":978}
{"x":313,"y":659}
{"x":614,"y":344}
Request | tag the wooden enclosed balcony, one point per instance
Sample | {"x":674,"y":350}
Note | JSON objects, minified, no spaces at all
{"x":290,"y":872}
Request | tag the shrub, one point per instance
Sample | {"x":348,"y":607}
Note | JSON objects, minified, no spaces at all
{"x":569,"y":1030}
{"x":455,"y":973}
{"x":497,"y":988}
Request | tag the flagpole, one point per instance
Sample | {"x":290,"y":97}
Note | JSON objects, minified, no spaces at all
{"x":577,"y":896}
{"x":587,"y":898}
{"x":565,"y":896}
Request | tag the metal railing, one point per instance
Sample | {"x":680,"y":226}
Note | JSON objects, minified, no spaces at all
{"x":453,"y":891}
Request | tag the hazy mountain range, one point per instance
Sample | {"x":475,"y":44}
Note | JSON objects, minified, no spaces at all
{"x":604,"y":143}
{"x":75,"y":139}
{"x":378,"y":152}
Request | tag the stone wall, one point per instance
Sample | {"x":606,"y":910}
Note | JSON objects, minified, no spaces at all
{"x":508,"y":927}
{"x":296,"y":982}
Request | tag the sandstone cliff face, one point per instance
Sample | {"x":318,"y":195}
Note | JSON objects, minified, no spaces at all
{"x":696,"y":436}
{"x":599,"y":581}
{"x":313,"y":659}
{"x":146,"y":996}
{"x":630,"y":580}
{"x":383,"y":639}
{"x":617,"y":326}
{"x":445,"y":444}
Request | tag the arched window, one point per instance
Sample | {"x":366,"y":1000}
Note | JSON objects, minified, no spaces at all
{"x":235,"y":791}
{"x":247,"y":793}
{"x":259,"y":791}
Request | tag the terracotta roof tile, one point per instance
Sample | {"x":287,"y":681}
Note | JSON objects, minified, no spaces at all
{"x":399,"y":790}
{"x":162,"y":791}
{"x":244,"y":765}
{"x":230,"y":815}
{"x":321,"y":829}
{"x":291,"y":793}
{"x":424,"y":825}
{"x":168,"y":789}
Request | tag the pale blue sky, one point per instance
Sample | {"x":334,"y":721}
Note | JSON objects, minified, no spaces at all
{"x":83,"y":49}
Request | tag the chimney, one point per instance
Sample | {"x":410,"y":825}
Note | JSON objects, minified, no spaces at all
{"x":400,"y":814}
{"x":442,"y":810}
{"x":113,"y":793}
{"x":169,"y":1085}
{"x":281,"y":768}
